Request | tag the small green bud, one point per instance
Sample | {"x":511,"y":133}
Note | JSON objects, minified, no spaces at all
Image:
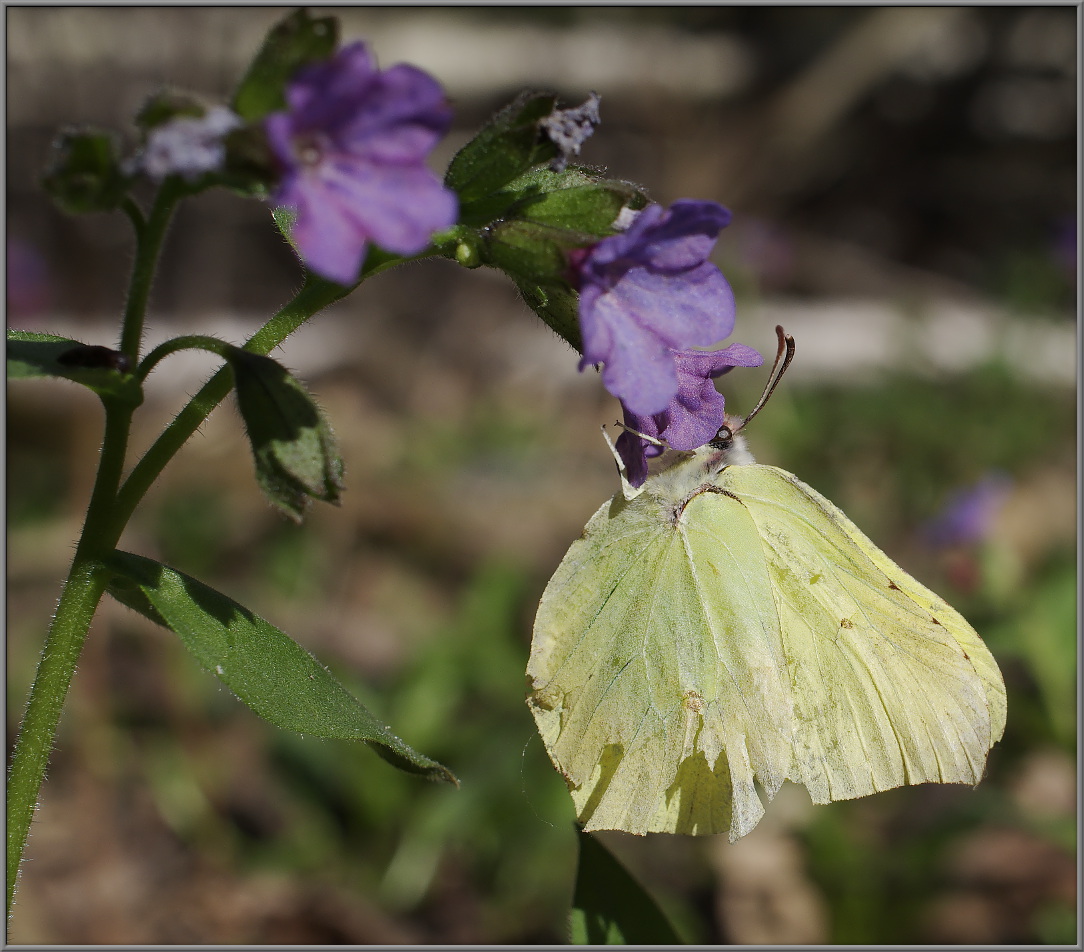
{"x":467,"y":255}
{"x":292,"y":443}
{"x":83,"y":172}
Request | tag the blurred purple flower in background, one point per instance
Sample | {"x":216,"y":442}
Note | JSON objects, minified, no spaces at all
{"x":352,"y":144}
{"x":28,"y":283}
{"x":648,"y":292}
{"x":693,"y":416}
{"x":969,"y":514}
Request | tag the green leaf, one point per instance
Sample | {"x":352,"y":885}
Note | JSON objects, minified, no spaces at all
{"x":105,"y":371}
{"x":558,"y":306}
{"x":292,"y":43}
{"x":506,"y":146}
{"x":292,"y":443}
{"x":572,"y":200}
{"x":262,"y":665}
{"x":609,"y":907}
{"x":529,"y":251}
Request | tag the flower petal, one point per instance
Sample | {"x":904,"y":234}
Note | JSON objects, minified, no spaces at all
{"x":695,"y":414}
{"x":352,"y":145}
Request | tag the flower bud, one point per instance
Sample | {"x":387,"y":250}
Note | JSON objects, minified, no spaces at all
{"x":83,"y":173}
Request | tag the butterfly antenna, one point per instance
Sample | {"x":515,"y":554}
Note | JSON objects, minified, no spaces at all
{"x":783,"y":356}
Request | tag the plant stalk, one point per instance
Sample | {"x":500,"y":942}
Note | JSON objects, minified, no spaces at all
{"x":112,"y":504}
{"x":86,"y":580}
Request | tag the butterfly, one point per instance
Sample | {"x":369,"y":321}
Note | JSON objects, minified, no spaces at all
{"x":725,"y":628}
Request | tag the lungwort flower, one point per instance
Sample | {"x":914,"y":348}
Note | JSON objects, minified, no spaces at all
{"x":648,"y":293}
{"x":692,"y":417}
{"x":352,"y":145}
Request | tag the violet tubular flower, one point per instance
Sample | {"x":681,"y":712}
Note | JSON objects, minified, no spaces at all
{"x":352,"y":145}
{"x":968,"y":517}
{"x":649,"y":292}
{"x":693,"y":416}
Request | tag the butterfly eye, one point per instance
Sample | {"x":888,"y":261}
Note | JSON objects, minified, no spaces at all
{"x":724,"y":439}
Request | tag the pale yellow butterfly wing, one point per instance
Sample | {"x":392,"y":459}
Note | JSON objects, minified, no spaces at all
{"x":891,"y":685}
{"x":683,"y":651}
{"x":657,"y":680}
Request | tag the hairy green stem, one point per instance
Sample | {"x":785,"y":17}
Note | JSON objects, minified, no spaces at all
{"x":111,"y":504}
{"x":172,"y":346}
{"x":64,"y":643}
{"x":149,"y":237}
{"x":78,"y":602}
{"x":85,"y":582}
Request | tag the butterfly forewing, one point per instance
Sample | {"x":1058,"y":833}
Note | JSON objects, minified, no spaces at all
{"x":891,"y":685}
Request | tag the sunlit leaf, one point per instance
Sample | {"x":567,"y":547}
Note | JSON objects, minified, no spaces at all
{"x":262,"y":665}
{"x":105,"y":371}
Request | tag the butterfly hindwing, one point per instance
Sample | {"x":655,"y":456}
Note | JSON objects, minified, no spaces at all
{"x":649,"y":703}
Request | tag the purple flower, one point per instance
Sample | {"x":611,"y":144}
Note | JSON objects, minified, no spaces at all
{"x":693,"y":416}
{"x":352,"y":144}
{"x":969,"y":514}
{"x":649,"y":292}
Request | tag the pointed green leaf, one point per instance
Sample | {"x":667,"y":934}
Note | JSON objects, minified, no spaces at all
{"x":609,"y":907}
{"x":557,"y":305}
{"x":506,"y":146}
{"x":262,"y":665}
{"x":292,"y":43}
{"x":292,"y":443}
{"x":105,"y":371}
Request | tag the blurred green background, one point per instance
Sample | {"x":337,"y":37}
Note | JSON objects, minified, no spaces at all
{"x":904,"y":189}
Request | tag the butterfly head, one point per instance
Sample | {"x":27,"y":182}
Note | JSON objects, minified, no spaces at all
{"x":675,"y":474}
{"x":728,"y":447}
